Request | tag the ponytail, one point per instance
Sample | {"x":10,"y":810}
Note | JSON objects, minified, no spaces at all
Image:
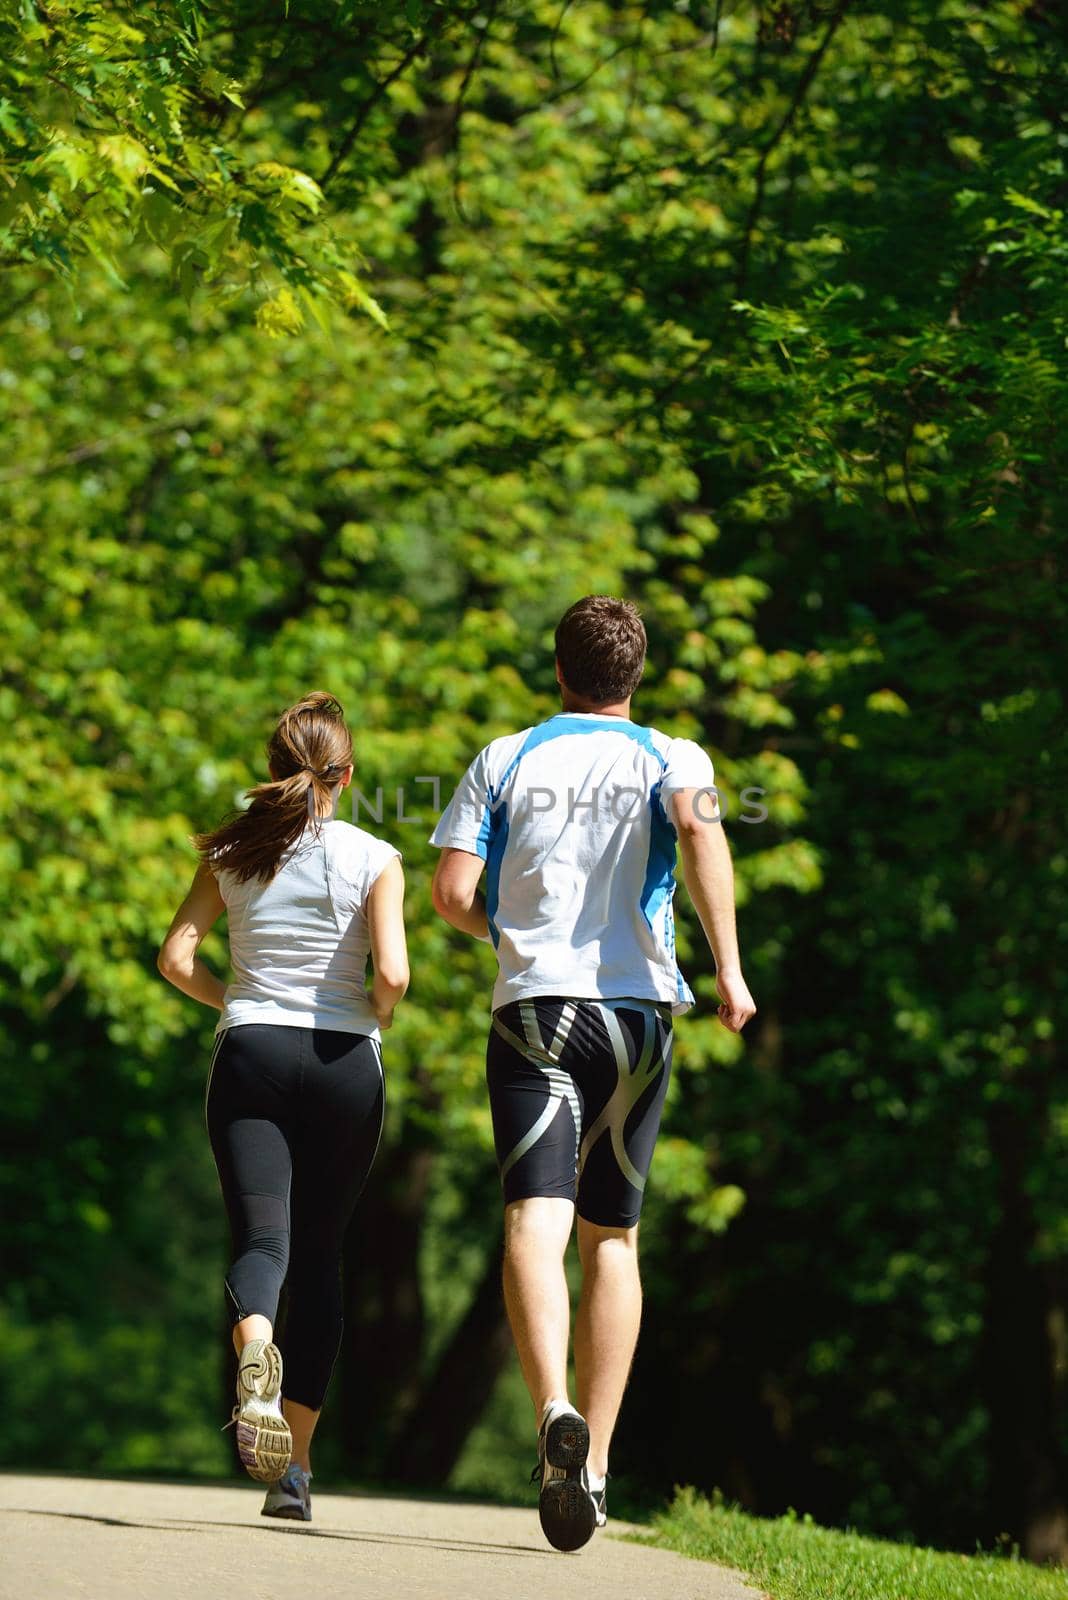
{"x":308,"y":753}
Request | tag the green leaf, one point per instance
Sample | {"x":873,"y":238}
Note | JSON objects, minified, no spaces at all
{"x":1024,"y":202}
{"x":221,"y":87}
{"x":293,"y":185}
{"x":356,"y":296}
{"x":72,"y":160}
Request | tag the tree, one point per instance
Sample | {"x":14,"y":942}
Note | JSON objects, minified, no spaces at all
{"x":755,"y":317}
{"x":157,"y":124}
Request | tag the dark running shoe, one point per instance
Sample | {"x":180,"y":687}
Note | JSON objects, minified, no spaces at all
{"x":290,"y":1497}
{"x":565,"y":1506}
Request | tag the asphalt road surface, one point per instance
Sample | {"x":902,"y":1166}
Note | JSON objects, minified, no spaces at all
{"x":97,"y":1539}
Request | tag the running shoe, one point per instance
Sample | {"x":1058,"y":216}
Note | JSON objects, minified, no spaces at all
{"x":600,"y":1503}
{"x":565,"y":1506}
{"x":290,"y":1497}
{"x":264,"y":1441}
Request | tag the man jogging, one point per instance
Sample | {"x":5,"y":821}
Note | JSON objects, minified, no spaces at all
{"x":575,"y":823}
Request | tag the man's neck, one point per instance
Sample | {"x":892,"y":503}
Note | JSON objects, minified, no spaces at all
{"x":571,"y":703}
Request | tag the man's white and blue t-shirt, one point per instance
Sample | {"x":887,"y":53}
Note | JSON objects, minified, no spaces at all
{"x":572,"y":819}
{"x":299,"y":944}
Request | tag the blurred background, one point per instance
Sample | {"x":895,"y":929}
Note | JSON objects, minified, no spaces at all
{"x":344,"y":346}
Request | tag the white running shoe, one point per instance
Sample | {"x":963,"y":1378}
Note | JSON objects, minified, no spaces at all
{"x":264,"y":1441}
{"x":598,"y":1494}
{"x":565,"y":1506}
{"x":290,"y":1497}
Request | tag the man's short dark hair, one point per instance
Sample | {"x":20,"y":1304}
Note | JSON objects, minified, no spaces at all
{"x":600,"y":645}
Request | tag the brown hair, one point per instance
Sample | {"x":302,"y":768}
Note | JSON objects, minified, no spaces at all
{"x":600,"y":645}
{"x":307,"y":754}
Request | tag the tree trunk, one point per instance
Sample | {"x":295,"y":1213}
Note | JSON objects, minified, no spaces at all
{"x":382,"y":1347}
{"x":1028,"y":1477}
{"x":459,"y":1389}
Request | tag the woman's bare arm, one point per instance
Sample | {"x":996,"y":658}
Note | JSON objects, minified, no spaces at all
{"x":178,"y":960}
{"x":389,"y":947}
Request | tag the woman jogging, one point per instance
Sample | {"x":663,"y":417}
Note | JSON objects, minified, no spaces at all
{"x":295,"y":1095}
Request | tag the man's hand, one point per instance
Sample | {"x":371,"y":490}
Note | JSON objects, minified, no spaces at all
{"x":384,"y":1020}
{"x":737,"y":1006}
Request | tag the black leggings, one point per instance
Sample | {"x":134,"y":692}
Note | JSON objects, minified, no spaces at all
{"x":294,"y":1116}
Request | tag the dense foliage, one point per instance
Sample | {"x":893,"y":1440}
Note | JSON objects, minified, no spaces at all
{"x":755,"y":313}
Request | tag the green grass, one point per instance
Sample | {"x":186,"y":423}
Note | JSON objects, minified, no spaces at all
{"x":793,"y":1559}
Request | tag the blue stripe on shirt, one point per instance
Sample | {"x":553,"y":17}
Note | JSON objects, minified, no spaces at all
{"x":485,"y":830}
{"x":563,"y":724}
{"x":659,"y":883}
{"x":498,"y":843}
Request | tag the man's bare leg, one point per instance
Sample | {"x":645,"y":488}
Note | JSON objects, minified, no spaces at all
{"x":606,"y":1330}
{"x":536,"y":1232}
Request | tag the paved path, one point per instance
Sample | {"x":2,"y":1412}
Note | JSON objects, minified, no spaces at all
{"x":91,"y":1539}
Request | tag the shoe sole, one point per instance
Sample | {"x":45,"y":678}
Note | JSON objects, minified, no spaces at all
{"x":567,"y":1513}
{"x":264,"y":1441}
{"x":288,"y":1514}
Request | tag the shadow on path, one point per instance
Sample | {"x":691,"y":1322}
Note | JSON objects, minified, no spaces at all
{"x":193,"y":1524}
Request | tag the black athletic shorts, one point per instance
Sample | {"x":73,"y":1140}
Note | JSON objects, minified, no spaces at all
{"x":576,"y":1091}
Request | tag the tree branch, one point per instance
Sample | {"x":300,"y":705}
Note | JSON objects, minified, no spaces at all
{"x":458,"y":105}
{"x":801,"y":88}
{"x":344,"y":148}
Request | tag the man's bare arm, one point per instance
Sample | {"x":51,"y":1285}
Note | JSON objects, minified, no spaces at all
{"x":709,"y":878}
{"x":456,"y":894}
